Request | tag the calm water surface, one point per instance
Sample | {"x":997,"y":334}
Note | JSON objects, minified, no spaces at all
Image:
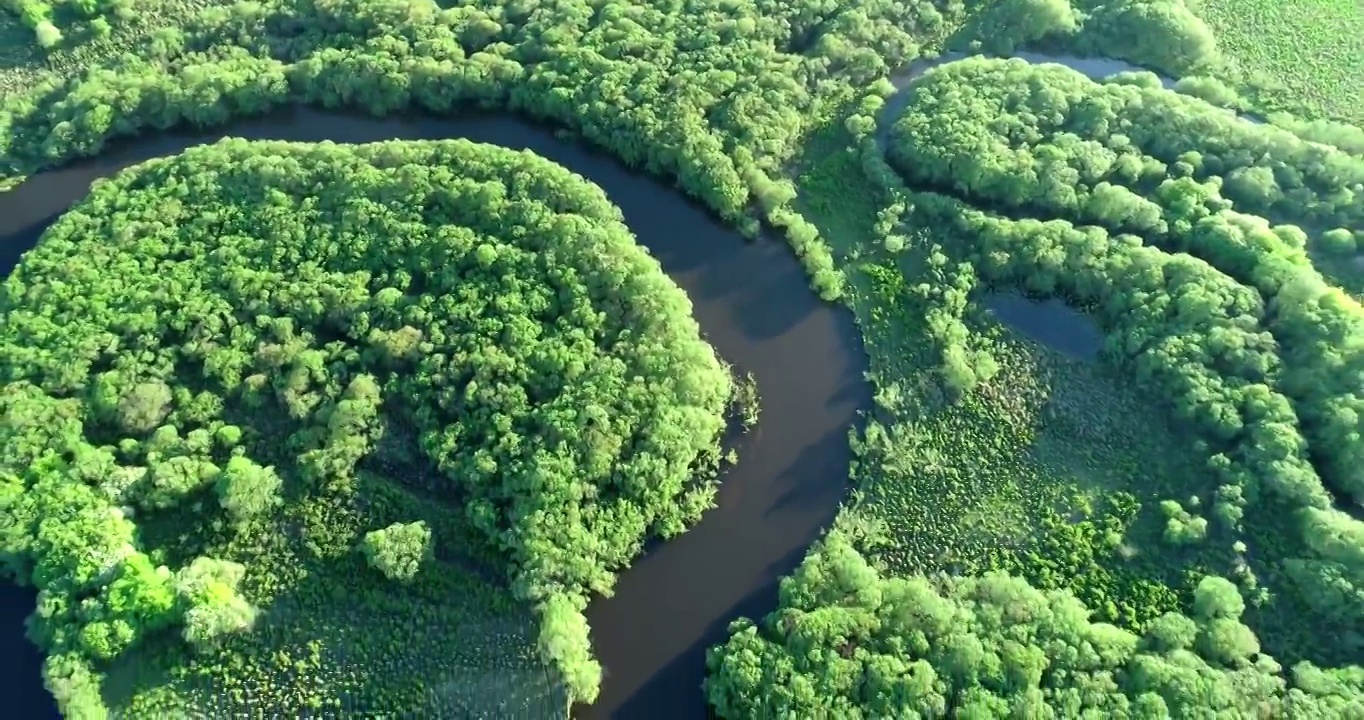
{"x":1049,"y":322}
{"x":753,"y":302}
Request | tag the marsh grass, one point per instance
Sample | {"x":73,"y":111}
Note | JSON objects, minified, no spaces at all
{"x":1305,"y":57}
{"x":336,"y":638}
{"x":1053,"y":469}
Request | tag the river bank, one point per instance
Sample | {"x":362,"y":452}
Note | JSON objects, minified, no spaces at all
{"x":753,"y":302}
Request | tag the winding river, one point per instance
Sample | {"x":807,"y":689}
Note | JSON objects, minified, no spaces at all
{"x":753,"y":302}
{"x":755,"y":306}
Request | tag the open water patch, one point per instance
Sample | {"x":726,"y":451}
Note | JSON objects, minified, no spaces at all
{"x":1050,"y":322}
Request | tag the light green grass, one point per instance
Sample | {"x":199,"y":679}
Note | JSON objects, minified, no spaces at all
{"x":1306,"y":56}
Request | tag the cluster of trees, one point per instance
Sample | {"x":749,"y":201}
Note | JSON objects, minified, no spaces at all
{"x":398,"y":550}
{"x":254,"y":322}
{"x":1165,"y":35}
{"x":42,"y":15}
{"x":848,"y":642}
{"x":1232,"y":326}
{"x":1099,"y":151}
{"x":716,"y":96}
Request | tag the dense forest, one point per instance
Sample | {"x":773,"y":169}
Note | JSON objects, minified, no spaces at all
{"x":1189,"y":235}
{"x":851,"y":643}
{"x":1210,"y":305}
{"x":261,"y":392}
{"x":214,"y":360}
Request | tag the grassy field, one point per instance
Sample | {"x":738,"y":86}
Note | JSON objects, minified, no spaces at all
{"x":1305,"y":56}
{"x":374,"y":644}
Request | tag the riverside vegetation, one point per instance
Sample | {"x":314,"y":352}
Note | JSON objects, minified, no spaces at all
{"x":1199,"y":551}
{"x":214,"y":366}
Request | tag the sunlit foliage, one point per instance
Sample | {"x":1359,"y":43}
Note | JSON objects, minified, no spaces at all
{"x":215,"y":361}
{"x":848,"y":642}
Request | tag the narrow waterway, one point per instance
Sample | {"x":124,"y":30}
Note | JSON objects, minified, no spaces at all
{"x":753,"y":302}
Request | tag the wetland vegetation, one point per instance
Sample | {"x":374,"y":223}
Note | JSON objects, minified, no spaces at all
{"x":1138,"y":496}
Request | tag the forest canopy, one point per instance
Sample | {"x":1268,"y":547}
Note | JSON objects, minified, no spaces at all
{"x":234,"y":376}
{"x":848,"y":642}
{"x":402,"y":376}
{"x":1196,"y":240}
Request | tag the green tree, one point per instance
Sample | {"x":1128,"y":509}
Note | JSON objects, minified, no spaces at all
{"x":398,"y":550}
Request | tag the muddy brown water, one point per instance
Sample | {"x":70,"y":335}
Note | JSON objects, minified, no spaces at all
{"x":753,"y":302}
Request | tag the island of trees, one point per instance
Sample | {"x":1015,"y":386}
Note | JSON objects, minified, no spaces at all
{"x":236,"y":378}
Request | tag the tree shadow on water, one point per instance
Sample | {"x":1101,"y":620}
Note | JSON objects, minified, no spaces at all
{"x":820,"y":472}
{"x":25,"y":696}
{"x":772,"y":300}
{"x":17,"y":239}
{"x":657,"y":698}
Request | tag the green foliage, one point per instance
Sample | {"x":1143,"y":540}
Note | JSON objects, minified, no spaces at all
{"x":1339,"y":241}
{"x":1208,"y":89}
{"x":848,"y":642}
{"x":1030,"y":151}
{"x":1165,"y":35}
{"x":311,"y":332}
{"x":1211,"y":307}
{"x":1182,"y":527}
{"x":1008,"y":25}
{"x":337,"y":342}
{"x":722,"y":140}
{"x":247,"y":490}
{"x":398,"y":550}
{"x":40,"y":15}
{"x":746,"y":400}
{"x":211,"y":589}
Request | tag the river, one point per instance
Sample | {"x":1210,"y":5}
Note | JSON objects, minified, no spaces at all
{"x":752,"y":300}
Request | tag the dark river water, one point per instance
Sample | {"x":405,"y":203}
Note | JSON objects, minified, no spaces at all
{"x":1049,"y":322}
{"x":752,"y":300}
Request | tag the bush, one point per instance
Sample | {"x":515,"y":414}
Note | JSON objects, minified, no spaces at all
{"x":398,"y":550}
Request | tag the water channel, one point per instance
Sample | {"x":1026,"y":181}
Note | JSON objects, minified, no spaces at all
{"x":1050,"y":322}
{"x":753,"y":302}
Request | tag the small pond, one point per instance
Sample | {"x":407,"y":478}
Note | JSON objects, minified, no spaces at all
{"x":1049,"y":322}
